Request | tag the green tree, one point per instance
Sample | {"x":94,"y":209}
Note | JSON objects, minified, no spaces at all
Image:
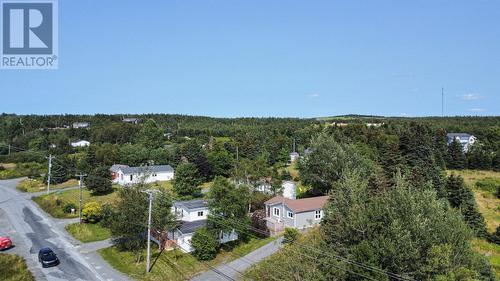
{"x":229,"y":206}
{"x":404,"y":230}
{"x":291,"y":235}
{"x":91,"y":212}
{"x":151,"y":135}
{"x":456,"y":156}
{"x":329,"y":161}
{"x":187,"y":180}
{"x":129,"y":219}
{"x":99,"y":180}
{"x":204,"y":243}
{"x":460,"y":196}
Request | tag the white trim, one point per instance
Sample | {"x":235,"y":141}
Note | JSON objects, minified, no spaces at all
{"x":318,"y":216}
{"x":274,"y":212}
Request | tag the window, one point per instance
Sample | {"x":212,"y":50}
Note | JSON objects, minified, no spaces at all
{"x":289,"y":214}
{"x":276,"y":211}
{"x":200,"y":214}
{"x":131,"y":177}
{"x":317,"y":214}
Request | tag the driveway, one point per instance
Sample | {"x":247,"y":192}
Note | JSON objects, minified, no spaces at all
{"x":30,"y":229}
{"x":235,"y":269}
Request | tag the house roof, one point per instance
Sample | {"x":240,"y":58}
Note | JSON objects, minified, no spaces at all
{"x":142,"y":169}
{"x":187,"y":227}
{"x":460,"y":135}
{"x":116,"y":167}
{"x":81,"y":123}
{"x":300,"y":205}
{"x":192,"y":205}
{"x":77,"y":141}
{"x":130,"y":119}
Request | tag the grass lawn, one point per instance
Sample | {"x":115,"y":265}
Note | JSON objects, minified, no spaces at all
{"x":88,"y":232}
{"x":55,"y":202}
{"x":489,"y":206}
{"x":36,"y":185}
{"x":13,"y":268}
{"x":173,"y":265}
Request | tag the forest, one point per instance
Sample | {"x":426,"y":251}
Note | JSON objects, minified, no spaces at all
{"x":393,"y":205}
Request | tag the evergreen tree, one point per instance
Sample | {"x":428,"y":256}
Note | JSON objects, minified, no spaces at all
{"x":99,"y":180}
{"x":456,"y":157}
{"x":151,"y":135}
{"x":187,"y":180}
{"x":462,"y":197}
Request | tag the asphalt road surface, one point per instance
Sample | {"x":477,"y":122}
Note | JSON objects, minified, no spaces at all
{"x":31,"y":229}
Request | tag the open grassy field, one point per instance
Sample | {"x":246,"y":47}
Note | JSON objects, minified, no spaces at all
{"x":88,"y":232}
{"x":11,"y":170}
{"x":36,"y":185}
{"x":13,"y":268}
{"x":489,"y":206}
{"x":55,"y":202}
{"x":174,"y":265}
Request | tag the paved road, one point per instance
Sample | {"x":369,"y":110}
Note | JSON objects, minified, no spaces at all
{"x":30,"y":228}
{"x":234,"y":269}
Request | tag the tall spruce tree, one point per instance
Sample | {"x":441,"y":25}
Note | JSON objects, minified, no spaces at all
{"x":456,"y":156}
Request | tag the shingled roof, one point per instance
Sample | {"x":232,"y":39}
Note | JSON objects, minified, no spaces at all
{"x":300,"y":205}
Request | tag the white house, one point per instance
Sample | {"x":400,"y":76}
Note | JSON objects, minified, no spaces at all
{"x":123,"y":174}
{"x":131,"y":120}
{"x":465,"y":140}
{"x":81,"y":125}
{"x":294,"y":156}
{"x":80,"y":143}
{"x":192,"y":215}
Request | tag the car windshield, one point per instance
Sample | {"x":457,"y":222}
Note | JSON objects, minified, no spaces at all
{"x":48,"y":255}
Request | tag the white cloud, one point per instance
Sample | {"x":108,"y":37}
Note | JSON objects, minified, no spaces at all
{"x":313,"y":96}
{"x":476,"y":109}
{"x":471,"y":96}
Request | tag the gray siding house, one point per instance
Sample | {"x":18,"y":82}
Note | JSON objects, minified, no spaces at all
{"x":284,"y":212}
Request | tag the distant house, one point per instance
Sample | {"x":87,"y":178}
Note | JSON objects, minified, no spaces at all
{"x":81,"y":125}
{"x":131,"y":120}
{"x":80,"y":143}
{"x":376,"y":125}
{"x":123,"y":174}
{"x":192,"y":216}
{"x":465,"y":140}
{"x":283,"y":212}
{"x":294,"y":156}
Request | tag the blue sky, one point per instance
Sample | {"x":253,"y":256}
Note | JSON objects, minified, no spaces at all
{"x":234,"y":58}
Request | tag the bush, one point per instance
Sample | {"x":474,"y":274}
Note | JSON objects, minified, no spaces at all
{"x":205,"y":244}
{"x":489,"y":184}
{"x":495,"y":236}
{"x":91,"y":212}
{"x":68,"y":206}
{"x":291,"y":235}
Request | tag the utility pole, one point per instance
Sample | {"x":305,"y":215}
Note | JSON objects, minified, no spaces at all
{"x":9,"y":149}
{"x":442,"y":102}
{"x":49,"y":174}
{"x":81,"y":186}
{"x":150,"y":193}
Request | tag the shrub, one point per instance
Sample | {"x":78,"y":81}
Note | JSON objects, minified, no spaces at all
{"x":91,"y":212}
{"x":489,"y":184}
{"x":495,"y":236}
{"x":291,"y":235}
{"x":68,"y":206}
{"x":205,"y":244}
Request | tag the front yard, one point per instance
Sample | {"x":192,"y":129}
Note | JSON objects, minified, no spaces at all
{"x":174,"y":265}
{"x":36,"y":185}
{"x":88,"y":232}
{"x":13,"y":268}
{"x":55,"y":203}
